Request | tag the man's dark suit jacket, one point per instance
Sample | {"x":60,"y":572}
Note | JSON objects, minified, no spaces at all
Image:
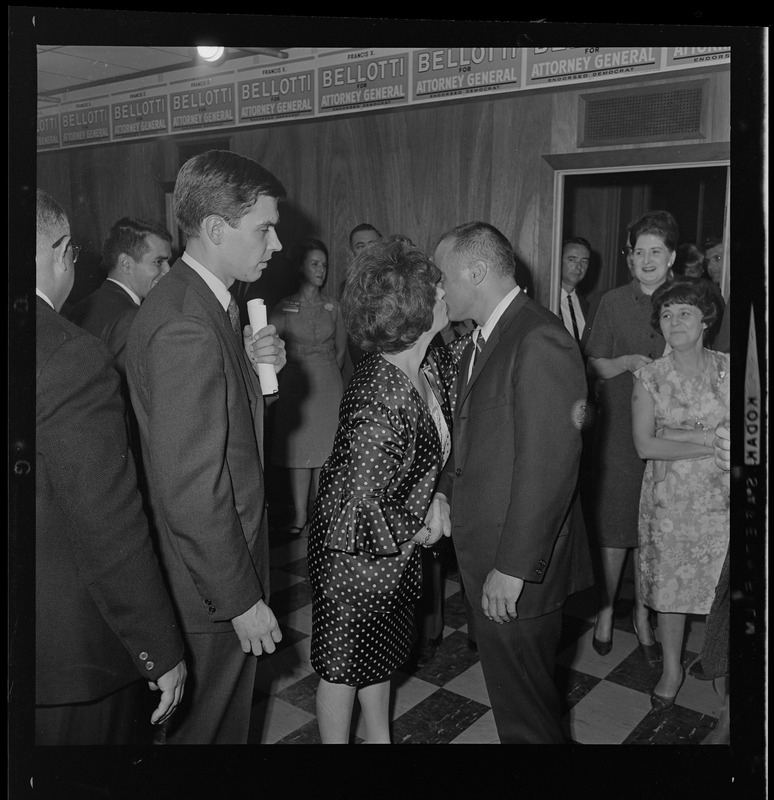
{"x":102,"y":614}
{"x":512,"y":476}
{"x":200,"y":412}
{"x":108,"y":313}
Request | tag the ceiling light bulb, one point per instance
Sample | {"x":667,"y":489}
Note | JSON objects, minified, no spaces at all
{"x":210,"y":53}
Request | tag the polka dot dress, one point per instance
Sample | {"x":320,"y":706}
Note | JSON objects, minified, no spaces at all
{"x":375,"y":489}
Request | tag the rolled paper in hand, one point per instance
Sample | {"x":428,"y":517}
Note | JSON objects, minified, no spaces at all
{"x":267,"y":375}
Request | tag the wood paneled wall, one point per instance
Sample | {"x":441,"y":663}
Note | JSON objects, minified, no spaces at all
{"x":417,"y":172}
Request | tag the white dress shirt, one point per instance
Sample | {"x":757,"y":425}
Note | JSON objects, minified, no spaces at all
{"x":486,"y":329}
{"x":567,"y":319}
{"x":131,"y":294}
{"x":218,"y":287}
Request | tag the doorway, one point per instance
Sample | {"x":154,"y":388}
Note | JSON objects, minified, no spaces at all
{"x":601,"y":192}
{"x":599,"y":207}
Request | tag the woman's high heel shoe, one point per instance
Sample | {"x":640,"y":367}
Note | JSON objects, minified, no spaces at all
{"x":650,"y":652}
{"x":660,"y":703}
{"x":603,"y":648}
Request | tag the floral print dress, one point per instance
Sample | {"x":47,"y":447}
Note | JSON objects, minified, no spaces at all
{"x":684,"y":516}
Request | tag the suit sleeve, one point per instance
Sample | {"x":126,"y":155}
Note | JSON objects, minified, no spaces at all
{"x":118,"y":336}
{"x":549,"y":400}
{"x":188,"y":439}
{"x":81,"y":436}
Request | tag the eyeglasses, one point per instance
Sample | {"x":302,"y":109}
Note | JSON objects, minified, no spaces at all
{"x":76,"y":248}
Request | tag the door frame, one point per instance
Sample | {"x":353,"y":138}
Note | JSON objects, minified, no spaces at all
{"x":632,"y":160}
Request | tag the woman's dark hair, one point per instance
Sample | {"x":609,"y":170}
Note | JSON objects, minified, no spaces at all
{"x":657,"y":223}
{"x":389,"y":296}
{"x":692,"y":292}
{"x":689,"y":261}
{"x":299,"y":250}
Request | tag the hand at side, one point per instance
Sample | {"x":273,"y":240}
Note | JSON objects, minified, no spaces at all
{"x":257,"y":629}
{"x":171,"y":685}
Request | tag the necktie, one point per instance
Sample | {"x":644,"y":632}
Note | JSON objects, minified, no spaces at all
{"x":478,"y":347}
{"x":572,"y":317}
{"x":233,"y":313}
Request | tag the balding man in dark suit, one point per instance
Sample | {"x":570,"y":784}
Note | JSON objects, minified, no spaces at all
{"x":511,"y":480}
{"x":103,"y":618}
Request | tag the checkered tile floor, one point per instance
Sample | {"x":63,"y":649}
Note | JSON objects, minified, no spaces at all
{"x":606,"y":699}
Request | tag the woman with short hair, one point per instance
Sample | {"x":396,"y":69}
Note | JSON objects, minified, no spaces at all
{"x":677,"y":402}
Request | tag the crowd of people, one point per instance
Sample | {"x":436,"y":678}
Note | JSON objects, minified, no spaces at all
{"x":431,"y":404}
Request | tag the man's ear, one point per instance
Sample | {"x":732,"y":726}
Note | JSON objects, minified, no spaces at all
{"x":125,"y":262}
{"x":478,"y":270}
{"x":213,"y":228}
{"x":60,"y":261}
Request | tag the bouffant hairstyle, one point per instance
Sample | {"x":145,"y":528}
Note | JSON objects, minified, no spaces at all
{"x":389,"y":296}
{"x":692,"y":292}
{"x":223,"y":183}
{"x":657,"y":223}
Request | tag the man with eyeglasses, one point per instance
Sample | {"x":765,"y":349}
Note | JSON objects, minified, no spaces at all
{"x":103,"y":618}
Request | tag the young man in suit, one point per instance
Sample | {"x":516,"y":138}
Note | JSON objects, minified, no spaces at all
{"x":200,"y":413}
{"x":136,"y":254}
{"x":574,"y":308}
{"x":512,"y":478}
{"x":103,"y":618}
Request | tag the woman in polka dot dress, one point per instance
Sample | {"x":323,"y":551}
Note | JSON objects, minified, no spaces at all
{"x":373,"y":511}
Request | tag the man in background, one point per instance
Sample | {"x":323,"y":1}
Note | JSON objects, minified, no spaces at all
{"x":574,"y":308}
{"x":359,"y":237}
{"x":103,"y":619}
{"x":136,"y":254}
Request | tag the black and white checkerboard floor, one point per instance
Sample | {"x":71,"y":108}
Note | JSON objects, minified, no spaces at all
{"x":606,"y":699}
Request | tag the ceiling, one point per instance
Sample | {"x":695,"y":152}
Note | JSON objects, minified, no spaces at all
{"x":66,"y":68}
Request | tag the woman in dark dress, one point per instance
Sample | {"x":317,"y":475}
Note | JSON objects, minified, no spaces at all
{"x":620,"y":341}
{"x":373,"y":512}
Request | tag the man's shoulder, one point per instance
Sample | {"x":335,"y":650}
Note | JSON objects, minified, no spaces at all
{"x":179,"y":300}
{"x":106,"y":302}
{"x":529,"y":313}
{"x":56,"y":335}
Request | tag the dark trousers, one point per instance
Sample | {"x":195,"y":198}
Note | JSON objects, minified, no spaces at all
{"x":430,"y":605}
{"x":218,"y":692}
{"x":518,"y":660}
{"x":110,"y":720}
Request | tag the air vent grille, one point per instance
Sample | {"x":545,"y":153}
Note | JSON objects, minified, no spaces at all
{"x":673,"y":113}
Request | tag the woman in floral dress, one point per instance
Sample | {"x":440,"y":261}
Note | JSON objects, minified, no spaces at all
{"x":677,"y":402}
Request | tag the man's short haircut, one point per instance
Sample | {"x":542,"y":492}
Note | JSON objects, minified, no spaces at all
{"x":482,"y":240}
{"x":222,"y":183}
{"x":129,"y":235}
{"x":389,"y":296}
{"x":656,"y":223}
{"x":363,"y":226}
{"x":576,"y":240}
{"x":692,"y":292}
{"x":713,"y":240}
{"x":50,"y":217}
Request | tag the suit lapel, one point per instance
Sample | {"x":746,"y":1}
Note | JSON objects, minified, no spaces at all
{"x":222,"y":325}
{"x":490,"y":346}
